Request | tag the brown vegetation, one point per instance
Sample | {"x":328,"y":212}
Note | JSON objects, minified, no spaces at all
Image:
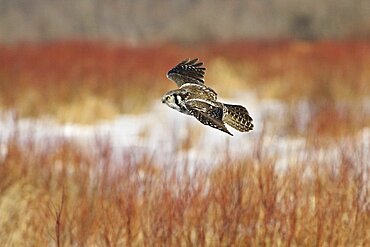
{"x":67,"y":192}
{"x":67,"y":195}
{"x":103,"y":80}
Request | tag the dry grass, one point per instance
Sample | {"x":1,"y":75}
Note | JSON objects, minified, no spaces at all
{"x":60,"y":79}
{"x":62,"y":194}
{"x":293,"y":70}
{"x":59,"y":192}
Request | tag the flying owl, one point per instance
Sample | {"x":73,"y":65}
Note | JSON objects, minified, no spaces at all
{"x":195,"y":99}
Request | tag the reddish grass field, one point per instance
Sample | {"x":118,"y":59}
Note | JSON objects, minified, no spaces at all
{"x":67,"y":195}
{"x":104,"y":80}
{"x":64,"y":192}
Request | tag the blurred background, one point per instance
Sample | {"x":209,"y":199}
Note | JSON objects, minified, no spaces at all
{"x":146,"y":21}
{"x":87,"y":147}
{"x":62,"y":58}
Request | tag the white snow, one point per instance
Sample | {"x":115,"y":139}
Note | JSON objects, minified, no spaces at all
{"x":160,"y":131}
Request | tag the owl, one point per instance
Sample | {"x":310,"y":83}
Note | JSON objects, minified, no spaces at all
{"x":194,"y":98}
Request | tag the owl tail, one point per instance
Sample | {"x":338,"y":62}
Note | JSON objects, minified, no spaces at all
{"x":238,"y":118}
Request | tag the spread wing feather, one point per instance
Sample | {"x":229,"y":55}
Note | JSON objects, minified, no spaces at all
{"x":207,"y":120}
{"x":188,"y":71}
{"x":207,"y":114}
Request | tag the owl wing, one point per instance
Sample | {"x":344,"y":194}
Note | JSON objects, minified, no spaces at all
{"x":188,"y":71}
{"x":199,"y":91}
{"x":207,"y":114}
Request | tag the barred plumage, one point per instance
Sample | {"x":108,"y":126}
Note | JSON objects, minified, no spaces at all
{"x":238,"y":118}
{"x":188,"y":71}
{"x":195,"y":99}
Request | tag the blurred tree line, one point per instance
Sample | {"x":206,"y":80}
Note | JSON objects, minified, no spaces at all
{"x":140,"y":21}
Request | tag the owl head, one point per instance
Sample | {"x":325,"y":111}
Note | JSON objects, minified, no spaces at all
{"x":175,"y":99}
